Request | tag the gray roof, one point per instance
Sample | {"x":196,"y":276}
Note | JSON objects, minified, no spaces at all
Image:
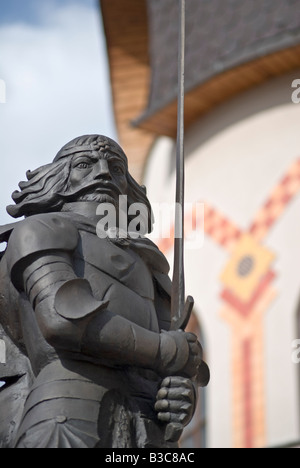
{"x":220,"y":35}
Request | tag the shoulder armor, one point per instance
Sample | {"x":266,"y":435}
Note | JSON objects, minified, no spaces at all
{"x":164,"y":283}
{"x":5,"y":231}
{"x":40,"y":233}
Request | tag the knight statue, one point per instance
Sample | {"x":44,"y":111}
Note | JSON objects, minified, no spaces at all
{"x":90,"y":360}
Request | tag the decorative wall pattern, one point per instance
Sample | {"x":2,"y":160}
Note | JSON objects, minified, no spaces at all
{"x":247,"y":293}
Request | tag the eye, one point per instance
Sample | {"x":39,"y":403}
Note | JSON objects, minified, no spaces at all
{"x":117,"y":170}
{"x":82,"y":165}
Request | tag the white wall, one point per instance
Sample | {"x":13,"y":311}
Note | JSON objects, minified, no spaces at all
{"x":234,"y":158}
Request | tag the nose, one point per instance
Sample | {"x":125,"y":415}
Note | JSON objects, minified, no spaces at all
{"x":102,"y":170}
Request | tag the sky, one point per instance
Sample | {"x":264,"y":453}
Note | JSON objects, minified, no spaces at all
{"x":53,"y":63}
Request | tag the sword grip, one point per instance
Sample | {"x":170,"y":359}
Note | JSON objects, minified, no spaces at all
{"x":174,"y":430}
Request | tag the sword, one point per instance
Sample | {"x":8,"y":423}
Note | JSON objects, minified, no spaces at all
{"x":180,"y":308}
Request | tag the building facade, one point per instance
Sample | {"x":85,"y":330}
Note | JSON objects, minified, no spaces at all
{"x":243,"y":168}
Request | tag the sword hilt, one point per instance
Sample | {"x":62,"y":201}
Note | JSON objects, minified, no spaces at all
{"x":174,"y":430}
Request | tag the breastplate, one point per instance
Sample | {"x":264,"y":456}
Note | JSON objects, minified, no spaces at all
{"x":119,"y":276}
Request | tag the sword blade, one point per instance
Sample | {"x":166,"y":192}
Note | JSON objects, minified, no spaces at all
{"x":178,"y":289}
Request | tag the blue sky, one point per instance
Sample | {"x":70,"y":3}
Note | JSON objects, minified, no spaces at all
{"x":28,"y":11}
{"x":54,"y":65}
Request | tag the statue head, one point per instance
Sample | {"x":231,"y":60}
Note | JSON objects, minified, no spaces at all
{"x":91,"y":168}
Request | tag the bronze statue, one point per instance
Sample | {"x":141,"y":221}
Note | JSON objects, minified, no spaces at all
{"x":89,"y":315}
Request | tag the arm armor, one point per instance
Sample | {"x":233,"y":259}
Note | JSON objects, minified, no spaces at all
{"x":39,"y":257}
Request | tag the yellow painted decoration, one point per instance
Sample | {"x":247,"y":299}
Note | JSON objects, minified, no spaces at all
{"x":249,"y":262}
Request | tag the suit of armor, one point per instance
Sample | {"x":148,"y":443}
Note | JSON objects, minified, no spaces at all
{"x":71,"y":284}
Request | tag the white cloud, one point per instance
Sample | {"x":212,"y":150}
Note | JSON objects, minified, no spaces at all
{"x":56,"y":89}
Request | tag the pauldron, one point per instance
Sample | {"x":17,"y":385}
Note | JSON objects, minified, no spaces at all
{"x":40,"y":233}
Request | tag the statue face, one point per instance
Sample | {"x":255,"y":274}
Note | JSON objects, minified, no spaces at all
{"x":98,"y":177}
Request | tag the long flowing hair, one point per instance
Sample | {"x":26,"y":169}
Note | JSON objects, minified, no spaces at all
{"x":46,"y":188}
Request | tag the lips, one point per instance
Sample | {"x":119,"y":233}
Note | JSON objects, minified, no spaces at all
{"x":103,"y":189}
{"x":105,"y":186}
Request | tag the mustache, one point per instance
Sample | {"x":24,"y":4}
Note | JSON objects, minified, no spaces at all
{"x":97,"y":184}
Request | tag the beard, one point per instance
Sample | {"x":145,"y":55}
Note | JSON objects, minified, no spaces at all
{"x":98,"y":198}
{"x":97,"y":192}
